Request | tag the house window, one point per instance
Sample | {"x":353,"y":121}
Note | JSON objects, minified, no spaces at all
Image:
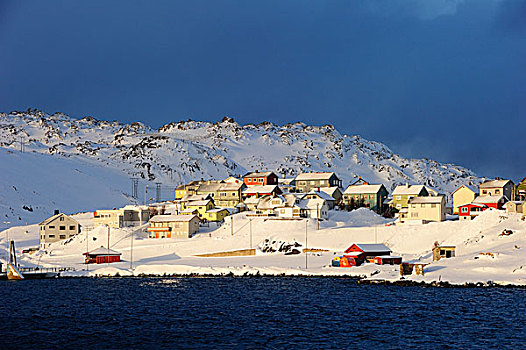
{"x":433,"y":205}
{"x":484,"y":192}
{"x":414,"y":215}
{"x":422,"y":205}
{"x":71,"y":228}
{"x":62,"y":228}
{"x":464,"y":210}
{"x":51,"y":227}
{"x":61,"y":218}
{"x":497,"y":191}
{"x":51,"y":236}
{"x":62,"y":236}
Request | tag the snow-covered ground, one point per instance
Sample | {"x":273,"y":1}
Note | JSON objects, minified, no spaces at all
{"x":473,"y":239}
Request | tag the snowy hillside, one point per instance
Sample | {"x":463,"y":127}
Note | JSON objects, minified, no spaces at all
{"x":186,"y":150}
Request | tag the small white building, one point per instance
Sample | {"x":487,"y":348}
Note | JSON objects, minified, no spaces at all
{"x":316,"y":208}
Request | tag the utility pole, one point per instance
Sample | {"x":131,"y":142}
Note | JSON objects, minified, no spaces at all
{"x":317,"y":217}
{"x":306,"y":242}
{"x":231,"y":225}
{"x":250,"y":224}
{"x":87,"y":250}
{"x":145,"y":192}
{"x":108,"y":257}
{"x":135,"y":182}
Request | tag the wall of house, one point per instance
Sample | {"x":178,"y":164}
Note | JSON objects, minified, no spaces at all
{"x":58,"y":230}
{"x":427,"y":212}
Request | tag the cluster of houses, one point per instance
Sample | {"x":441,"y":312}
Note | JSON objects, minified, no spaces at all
{"x":309,"y":195}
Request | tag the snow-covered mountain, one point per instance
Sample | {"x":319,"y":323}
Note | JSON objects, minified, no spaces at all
{"x":181,"y":151}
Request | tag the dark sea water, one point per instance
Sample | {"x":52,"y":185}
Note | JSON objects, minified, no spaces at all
{"x":316,"y":313}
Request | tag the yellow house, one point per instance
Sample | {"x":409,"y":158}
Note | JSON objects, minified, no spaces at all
{"x":180,"y":191}
{"x":462,"y":195}
{"x":173,"y":226}
{"x":201,"y":206}
{"x":216,"y":214}
{"x":403,"y":193}
{"x":426,"y":209}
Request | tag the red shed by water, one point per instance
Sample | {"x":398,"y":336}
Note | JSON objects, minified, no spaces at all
{"x":369,"y":250}
{"x":101,"y":256}
{"x":387,"y":260}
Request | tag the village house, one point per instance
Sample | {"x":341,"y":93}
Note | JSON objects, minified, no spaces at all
{"x":188,"y":189}
{"x":496,"y":202}
{"x":335,"y":192}
{"x":521,"y":190}
{"x":216,"y":214}
{"x":102,"y":256}
{"x":173,"y":226}
{"x":257,"y":178}
{"x":498,"y":187}
{"x":443,"y":251}
{"x":57,"y":228}
{"x":470,"y":210}
{"x":331,"y":202}
{"x":316,"y":208}
{"x":369,"y":250}
{"x":463,"y":195}
{"x":123,"y":217}
{"x":516,"y":207}
{"x":365,"y":195}
{"x":425,"y":209}
{"x":225,"y":194}
{"x":260,"y":191}
{"x":306,"y":182}
{"x":403,"y":193}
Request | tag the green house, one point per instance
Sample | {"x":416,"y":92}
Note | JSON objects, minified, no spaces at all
{"x":521,"y":190}
{"x":403,"y":193}
{"x":368,"y":196}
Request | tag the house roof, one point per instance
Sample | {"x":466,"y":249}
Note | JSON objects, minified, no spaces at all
{"x":198,"y":203}
{"x":321,"y":195}
{"x":494,"y":183}
{"x":315,"y":176}
{"x":471,"y":188}
{"x":473,"y":205}
{"x":423,"y":200}
{"x":54,"y":217}
{"x":360,"y":189}
{"x":216,"y":210}
{"x":260,"y":189}
{"x":102,"y":251}
{"x":388,"y":257}
{"x":373,"y":247}
{"x":408,"y":189}
{"x":488,"y":199}
{"x":259,"y":174}
{"x":172,"y":218}
{"x":330,"y":190}
{"x":312,"y":203}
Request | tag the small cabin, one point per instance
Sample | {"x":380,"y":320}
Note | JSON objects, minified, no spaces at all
{"x":102,"y":256}
{"x":387,"y":260}
{"x":444,"y":251}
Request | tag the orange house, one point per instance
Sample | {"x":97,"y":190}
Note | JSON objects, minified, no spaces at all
{"x":260,"y":179}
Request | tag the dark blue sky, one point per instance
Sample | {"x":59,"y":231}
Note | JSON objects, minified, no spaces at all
{"x":442,"y":79}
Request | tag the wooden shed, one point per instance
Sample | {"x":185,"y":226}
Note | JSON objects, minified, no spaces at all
{"x":387,"y":260}
{"x":101,"y":256}
{"x":444,"y":251}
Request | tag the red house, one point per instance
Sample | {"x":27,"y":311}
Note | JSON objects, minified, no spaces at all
{"x":369,"y":250}
{"x":259,"y":191}
{"x":101,"y":256}
{"x":355,"y":258}
{"x":260,"y":179}
{"x":387,"y":260}
{"x":496,"y":202}
{"x":471,"y":210}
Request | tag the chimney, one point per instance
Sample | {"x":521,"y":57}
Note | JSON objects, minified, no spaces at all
{"x":57,"y":211}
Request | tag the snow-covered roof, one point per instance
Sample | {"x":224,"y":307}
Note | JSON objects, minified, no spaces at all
{"x":232,"y":179}
{"x":424,"y":200}
{"x":259,"y":174}
{"x":366,"y":247}
{"x":494,"y":183}
{"x":321,"y":195}
{"x":252,"y":200}
{"x":312,"y":203}
{"x":408,"y":189}
{"x":260,"y":189}
{"x":172,"y":218}
{"x":389,"y":257}
{"x":361,"y":189}
{"x":103,"y":251}
{"x":314,"y":176}
{"x":330,"y":190}
{"x":488,"y":199}
{"x":198,"y":203}
{"x":54,"y":217}
{"x":216,"y":210}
